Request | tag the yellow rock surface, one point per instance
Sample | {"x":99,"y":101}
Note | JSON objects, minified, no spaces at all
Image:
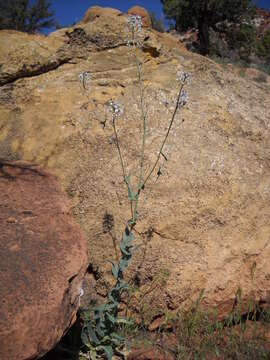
{"x":208,"y":214}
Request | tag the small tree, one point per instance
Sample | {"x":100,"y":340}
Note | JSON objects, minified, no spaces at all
{"x":242,"y":38}
{"x":20,"y":15}
{"x":157,"y":24}
{"x":263,"y":47}
{"x":206,"y":14}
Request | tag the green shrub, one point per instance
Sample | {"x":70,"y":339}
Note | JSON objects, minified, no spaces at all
{"x":157,"y":24}
{"x":263,"y":46}
{"x":242,"y":38}
{"x":25,"y":15}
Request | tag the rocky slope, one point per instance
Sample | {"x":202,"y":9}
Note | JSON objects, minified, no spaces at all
{"x":205,"y":223}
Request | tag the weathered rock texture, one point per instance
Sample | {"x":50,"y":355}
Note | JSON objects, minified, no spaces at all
{"x":43,"y":258}
{"x":204,"y":224}
{"x":96,"y":11}
{"x":140,"y":11}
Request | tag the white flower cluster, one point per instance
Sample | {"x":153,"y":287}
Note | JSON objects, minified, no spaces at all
{"x":183,"y":77}
{"x":183,"y":98}
{"x":84,"y":77}
{"x":134,"y":30}
{"x":115,"y":108}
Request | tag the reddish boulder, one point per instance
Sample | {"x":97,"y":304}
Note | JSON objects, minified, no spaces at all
{"x":43,"y":258}
{"x":140,"y":11}
{"x":97,"y":11}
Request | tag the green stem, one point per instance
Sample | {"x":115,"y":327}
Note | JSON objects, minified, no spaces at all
{"x":143,"y":117}
{"x":121,"y":161}
{"x":166,"y":136}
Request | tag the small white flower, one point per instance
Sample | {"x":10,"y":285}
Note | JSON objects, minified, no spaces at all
{"x":84,"y":77}
{"x":183,"y":77}
{"x":134,"y":30}
{"x":183,"y":98}
{"x":115,"y":108}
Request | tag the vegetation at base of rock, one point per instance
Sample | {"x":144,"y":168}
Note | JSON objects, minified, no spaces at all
{"x":205,"y":15}
{"x":191,"y":333}
{"x":100,"y":329}
{"x":197,"y":333}
{"x":26,"y":16}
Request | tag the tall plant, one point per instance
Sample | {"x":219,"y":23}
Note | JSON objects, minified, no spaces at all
{"x":100,"y":333}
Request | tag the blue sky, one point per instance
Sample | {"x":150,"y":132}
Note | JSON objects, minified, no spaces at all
{"x":69,"y":11}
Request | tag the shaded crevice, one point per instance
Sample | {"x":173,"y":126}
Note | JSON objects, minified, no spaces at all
{"x":26,"y":73}
{"x":21,"y":165}
{"x":68,"y":348}
{"x":151,"y":50}
{"x":93,"y":271}
{"x":72,"y":278}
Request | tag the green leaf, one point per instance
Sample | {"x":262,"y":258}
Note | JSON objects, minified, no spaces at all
{"x":124,"y":249}
{"x":115,"y":302}
{"x":108,"y":350}
{"x":131,"y":195}
{"x":111,"y":318}
{"x":123,"y":264}
{"x":115,"y":270}
{"x":127,"y":179}
{"x":85,"y":339}
{"x":107,"y":339}
{"x":117,"y":337}
{"x":128,"y":237}
{"x":93,"y":354}
{"x":123,"y":321}
{"x":100,"y":331}
{"x":92,"y":334}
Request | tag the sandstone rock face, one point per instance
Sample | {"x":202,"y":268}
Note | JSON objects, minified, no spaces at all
{"x":43,"y":259}
{"x":96,"y":11}
{"x":140,"y":11}
{"x":29,"y":55}
{"x":204,"y":224}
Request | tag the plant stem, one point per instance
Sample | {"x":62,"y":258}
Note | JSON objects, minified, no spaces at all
{"x":143,"y":117}
{"x":166,"y":136}
{"x":121,"y":161}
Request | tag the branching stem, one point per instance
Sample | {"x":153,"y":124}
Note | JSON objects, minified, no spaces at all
{"x":143,"y":118}
{"x":166,"y":136}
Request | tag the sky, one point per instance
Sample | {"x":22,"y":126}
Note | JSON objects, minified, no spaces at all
{"x":70,"y":11}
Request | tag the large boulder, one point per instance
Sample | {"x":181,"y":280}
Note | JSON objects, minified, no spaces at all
{"x":204,"y":223}
{"x":143,"y":13}
{"x":97,"y":11}
{"x":43,"y":259}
